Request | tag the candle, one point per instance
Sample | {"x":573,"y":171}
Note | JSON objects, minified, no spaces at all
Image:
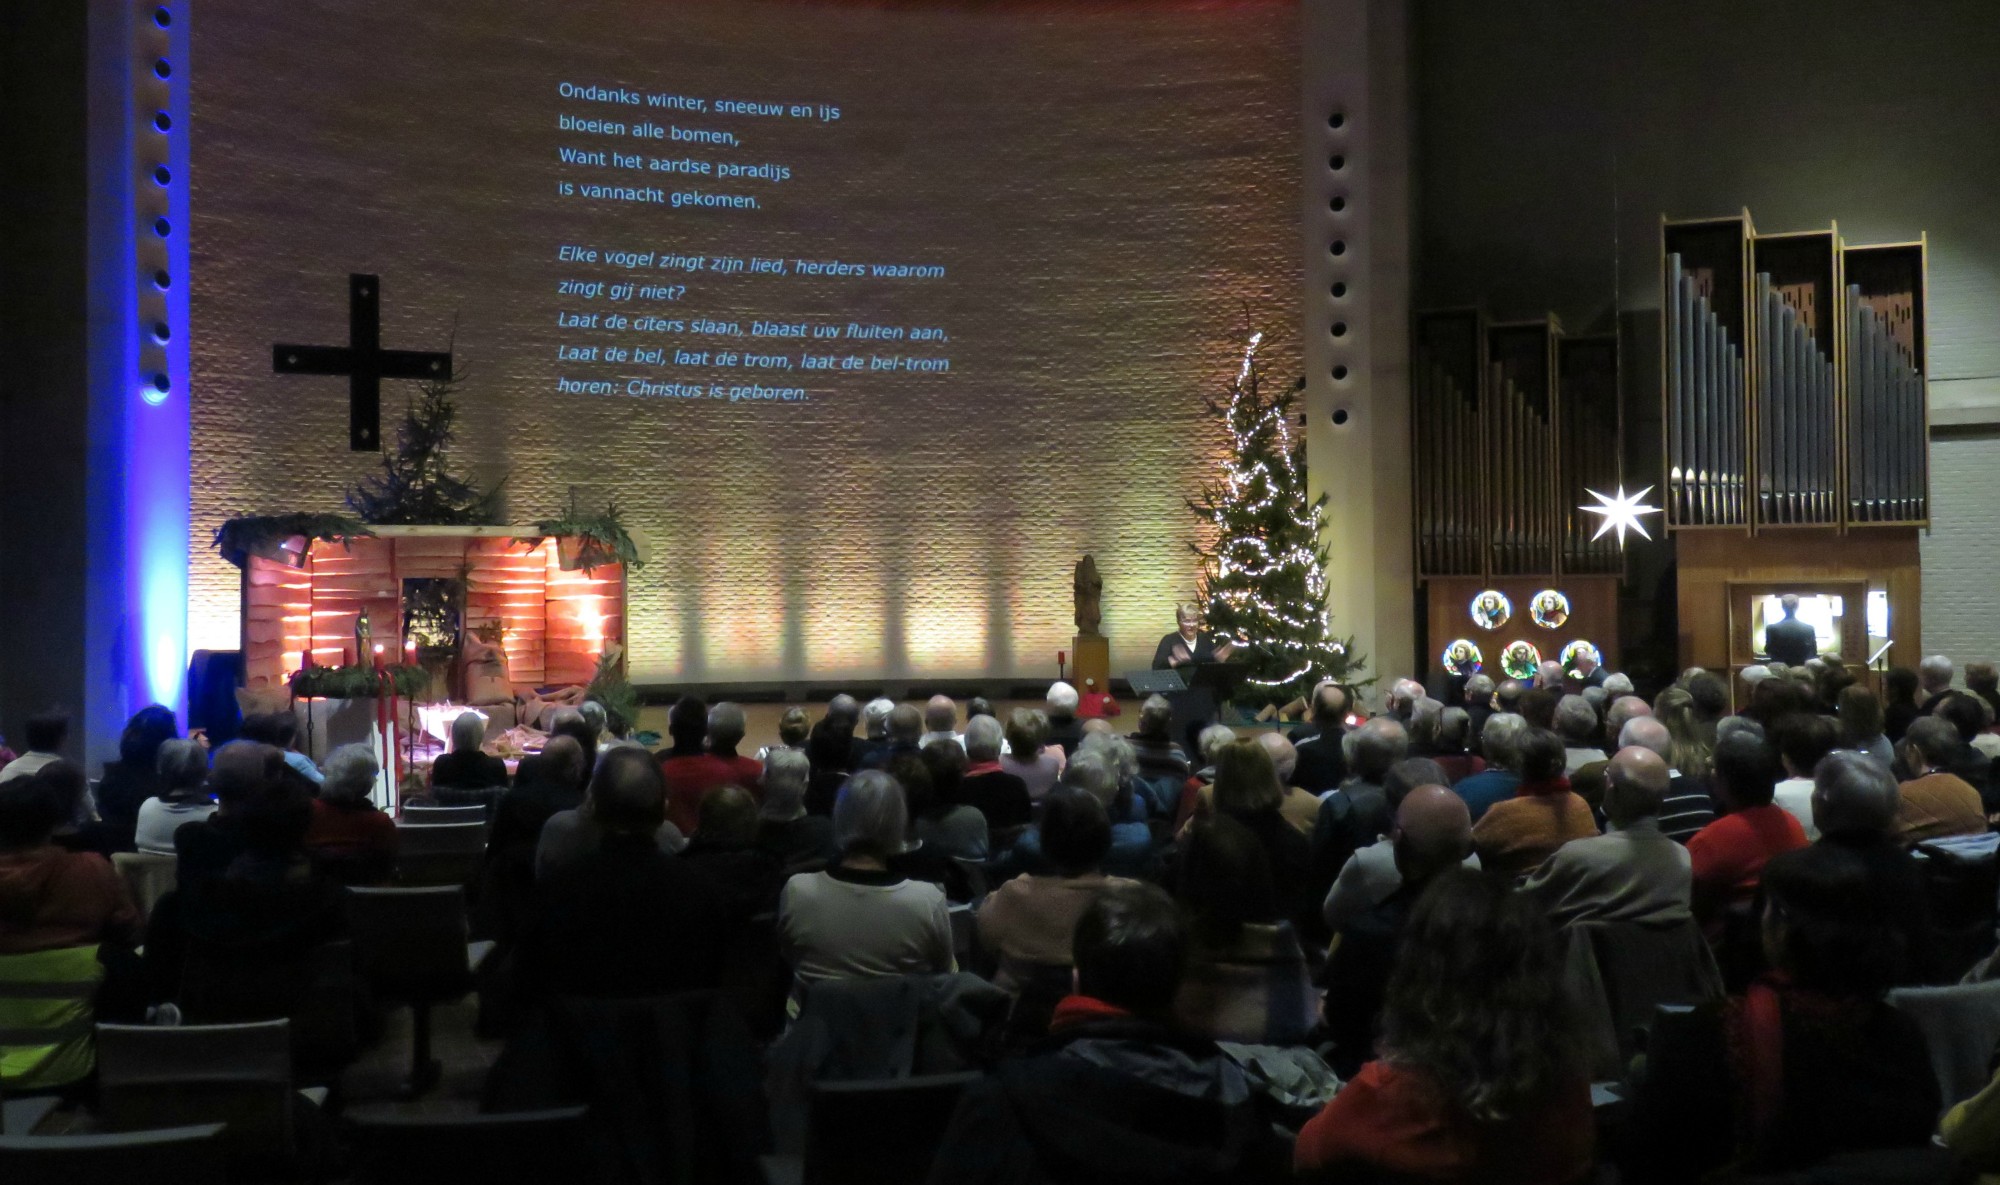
{"x":378,"y":656}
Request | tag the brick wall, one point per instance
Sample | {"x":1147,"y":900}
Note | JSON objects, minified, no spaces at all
{"x":1962,"y":552}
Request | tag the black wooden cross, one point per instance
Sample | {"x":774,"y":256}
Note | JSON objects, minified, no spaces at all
{"x":363,"y":361}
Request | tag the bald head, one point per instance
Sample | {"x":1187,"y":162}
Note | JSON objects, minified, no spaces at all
{"x":1635,"y":784}
{"x":1645,"y":733}
{"x":1433,"y":832}
{"x":940,"y":714}
{"x":844,"y":707}
{"x":1284,"y":755}
{"x":1623,"y":710}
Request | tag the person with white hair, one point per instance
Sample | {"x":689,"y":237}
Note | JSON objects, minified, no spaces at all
{"x":1617,"y":684}
{"x":182,"y":766}
{"x":1934,"y":681}
{"x":784,"y":828}
{"x":1549,"y":675}
{"x":1402,"y":699}
{"x":857,"y":919}
{"x":868,"y":751}
{"x":1161,"y":762}
{"x":1590,"y":672}
{"x":940,"y":722}
{"x":1623,"y":710}
{"x":468,"y":766}
{"x":347,"y":827}
{"x":1065,"y":732}
{"x":989,"y":787}
{"x":1576,"y":724}
{"x":1478,"y":704}
{"x":1501,"y":747}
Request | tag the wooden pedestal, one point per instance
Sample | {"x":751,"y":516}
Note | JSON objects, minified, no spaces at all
{"x":1092,"y":661}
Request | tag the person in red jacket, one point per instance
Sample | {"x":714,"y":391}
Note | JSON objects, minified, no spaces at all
{"x":1729,"y":854}
{"x":1480,"y":1076}
{"x":703,"y":757}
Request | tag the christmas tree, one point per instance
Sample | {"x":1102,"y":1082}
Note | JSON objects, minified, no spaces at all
{"x":1263,"y":580}
{"x":416,"y":484}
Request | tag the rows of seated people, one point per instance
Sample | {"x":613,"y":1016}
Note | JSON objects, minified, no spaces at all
{"x":1420,"y":916}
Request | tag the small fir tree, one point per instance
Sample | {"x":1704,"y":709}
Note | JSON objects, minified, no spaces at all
{"x":416,"y":484}
{"x":1263,"y":579}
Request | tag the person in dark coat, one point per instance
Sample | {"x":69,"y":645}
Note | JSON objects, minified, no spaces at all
{"x":1115,"y":1093}
{"x":1322,"y":766}
{"x":132,"y":779}
{"x":1789,"y":640}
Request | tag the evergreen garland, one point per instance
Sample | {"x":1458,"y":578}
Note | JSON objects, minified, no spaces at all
{"x":416,"y":485}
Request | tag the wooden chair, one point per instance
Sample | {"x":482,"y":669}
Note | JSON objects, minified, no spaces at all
{"x":439,"y":854}
{"x":46,"y":1010}
{"x":154,"y":1076}
{"x":172,"y":1156}
{"x":848,"y":1142}
{"x":394,"y":1147}
{"x":410,"y":945}
{"x":148,"y":876}
{"x":414,"y":815}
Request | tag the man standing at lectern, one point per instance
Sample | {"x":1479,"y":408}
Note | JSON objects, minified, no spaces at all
{"x":1790,"y":641}
{"x":1190,"y":645}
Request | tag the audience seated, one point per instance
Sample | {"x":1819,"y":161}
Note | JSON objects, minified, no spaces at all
{"x":1968,"y":715}
{"x":857,"y":919}
{"x":1454,"y":741}
{"x":135,"y":777}
{"x":1810,"y":1061}
{"x":940,"y":721}
{"x":545,"y":784}
{"x":1247,"y":979}
{"x":280,"y":730}
{"x":794,"y":732}
{"x":1514,"y":837}
{"x":1246,"y":789}
{"x":1803,"y":740}
{"x":468,"y":766}
{"x":1577,"y":724}
{"x":570,"y":722}
{"x":1117,"y":1093}
{"x":1299,"y":807}
{"x":1501,"y":745}
{"x":625,"y":919}
{"x":1689,"y":805}
{"x":784,"y":828}
{"x":1370,"y":875}
{"x":1481,"y":1077}
{"x":66,"y":783}
{"x":207,"y":847}
{"x":1690,"y":742}
{"x":569,"y":836}
{"x":1163,"y":766}
{"x":51,"y":897}
{"x":1426,"y":714}
{"x":830,"y":749}
{"x":903,"y":736}
{"x":1028,"y":923}
{"x":1028,"y":754}
{"x":1934,"y":802}
{"x":182,"y":779}
{"x":1728,"y":856}
{"x":1357,"y":814}
{"x":1479,"y":707}
{"x":941,"y":819}
{"x":867,"y":751}
{"x":1633,"y":872}
{"x":1983,"y":680}
{"x":1861,"y":726}
{"x":44,"y":737}
{"x":1855,"y":802}
{"x":1131,"y":847}
{"x":1065,"y":732}
{"x":988,"y":786}
{"x":1322,"y":758}
{"x":743,"y":878}
{"x":691,"y":766}
{"x":348,"y":831}
{"x":1433,"y":834}
{"x":1933,"y":682}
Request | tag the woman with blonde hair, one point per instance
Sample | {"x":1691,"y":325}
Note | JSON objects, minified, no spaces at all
{"x":1247,"y":790}
{"x":1690,"y":748}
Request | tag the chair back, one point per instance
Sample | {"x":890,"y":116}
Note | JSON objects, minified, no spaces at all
{"x":442,"y":814}
{"x":392,"y":1147}
{"x":170,"y":1156}
{"x":1621,"y":973}
{"x":148,"y":876}
{"x":1961,"y":1026}
{"x":153,"y":1076}
{"x":1961,"y":889}
{"x":439,"y":853}
{"x":848,"y":1142}
{"x":317,"y":992}
{"x":46,"y":1009}
{"x":410,"y":944}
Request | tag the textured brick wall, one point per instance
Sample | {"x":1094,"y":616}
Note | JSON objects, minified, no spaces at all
{"x":1962,"y":552}
{"x":1108,"y":189}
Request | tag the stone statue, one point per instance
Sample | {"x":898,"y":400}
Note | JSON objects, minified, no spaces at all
{"x":1089,"y":591}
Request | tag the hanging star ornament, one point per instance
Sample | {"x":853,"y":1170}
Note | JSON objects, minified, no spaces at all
{"x":1620,"y":512}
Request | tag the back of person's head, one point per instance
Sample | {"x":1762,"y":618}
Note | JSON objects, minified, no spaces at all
{"x":946,"y":761}
{"x":1623,"y":710}
{"x":1403,"y":695}
{"x":978,"y":706}
{"x":1746,"y":770}
{"x":1454,"y":730}
{"x":276,"y":816}
{"x":1408,"y":774}
{"x":1646,"y":732}
{"x":1688,"y":743}
{"x":1738,"y":725}
{"x":906,"y":724}
{"x":1062,"y":699}
{"x":1618,"y":683}
{"x":940,"y":714}
{"x":1425,"y":716}
{"x":1507,"y":696}
{"x":349,"y":777}
{"x":1635,"y":784}
{"x":794,"y":727}
{"x":1130,"y":949}
{"x":1967,"y":713}
{"x":1284,"y":754}
{"x":983,"y":736}
{"x":914,"y":777}
{"x":1549,"y":674}
{"x":1027,"y":733}
{"x":1156,"y":719}
{"x":1710,"y":693}
{"x":725,"y":728}
{"x":468,"y":731}
{"x":1374,"y":747}
{"x":278,"y":729}
{"x":1899,"y":684}
{"x":1542,"y":756}
{"x":148,"y":729}
{"x":30,"y":812}
{"x":687,"y":722}
{"x":595,"y":714}
{"x":1210,"y":741}
{"x":1825,"y":925}
{"x":875,"y":718}
{"x":1116,"y":750}
{"x":1934,"y":673}
{"x":570,"y":723}
{"x":870,"y":816}
{"x":786,"y":772}
{"x":1479,"y":690}
{"x":1576,"y":722}
{"x":1538,"y":707}
{"x":1853,"y":796}
{"x":1934,"y":740}
{"x":1225,"y":880}
{"x":566,"y":766}
{"x":1076,"y":831}
{"x":1860,"y":714}
{"x":1097,"y":776}
{"x":1329,"y":706}
{"x":1500,"y":740}
{"x":45,"y":732}
{"x":1433,"y":833}
{"x":842,"y":709}
{"x":1246,"y":779}
{"x":1982,"y":677}
{"x":1476,"y":1002}
{"x":240,"y":767}
{"x":727,"y":815}
{"x":1803,"y":739}
{"x":182,"y":767}
{"x":628,"y":794}
{"x":67,"y":781}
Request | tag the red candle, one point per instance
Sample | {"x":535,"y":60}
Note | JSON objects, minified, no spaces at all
{"x":378,"y":656}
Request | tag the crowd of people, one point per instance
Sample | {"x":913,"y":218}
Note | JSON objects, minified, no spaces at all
{"x":1389,"y":904}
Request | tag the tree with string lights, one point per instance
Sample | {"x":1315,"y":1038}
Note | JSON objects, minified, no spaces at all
{"x":1263,"y":579}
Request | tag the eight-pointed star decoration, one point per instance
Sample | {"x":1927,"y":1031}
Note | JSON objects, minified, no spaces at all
{"x":1620,"y":512}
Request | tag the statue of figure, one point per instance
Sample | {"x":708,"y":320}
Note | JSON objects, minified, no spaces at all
{"x":1089,"y":590}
